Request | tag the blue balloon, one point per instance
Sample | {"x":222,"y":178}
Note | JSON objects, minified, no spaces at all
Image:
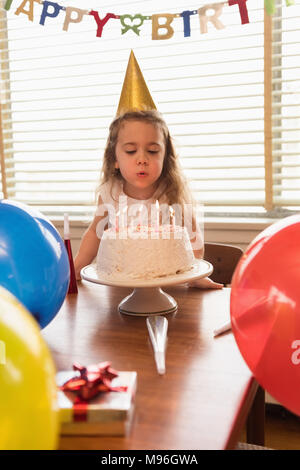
{"x":34,"y":264}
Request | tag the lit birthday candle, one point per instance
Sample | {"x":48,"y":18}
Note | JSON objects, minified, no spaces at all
{"x":157,"y":214}
{"x":117,"y":221}
{"x":171,"y":210}
{"x":123,"y":217}
{"x":140,"y":215}
{"x":66,"y":227}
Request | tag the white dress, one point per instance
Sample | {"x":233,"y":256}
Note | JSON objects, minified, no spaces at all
{"x":128,"y":210}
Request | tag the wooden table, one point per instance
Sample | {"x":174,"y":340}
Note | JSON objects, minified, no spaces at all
{"x":203,"y":400}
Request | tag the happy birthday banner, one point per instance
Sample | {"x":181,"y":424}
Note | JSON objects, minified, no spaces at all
{"x":161,"y":23}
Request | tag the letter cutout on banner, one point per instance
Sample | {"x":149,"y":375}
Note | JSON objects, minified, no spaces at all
{"x":270,"y":6}
{"x":242,"y":8}
{"x":156,"y":26}
{"x":69,"y":19}
{"x":101,"y":23}
{"x":186,"y":22}
{"x":8,"y":4}
{"x":134,"y":25}
{"x":45,"y":13}
{"x":29,"y":12}
{"x":214,"y":19}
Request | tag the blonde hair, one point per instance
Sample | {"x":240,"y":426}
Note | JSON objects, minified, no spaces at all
{"x":171,"y":181}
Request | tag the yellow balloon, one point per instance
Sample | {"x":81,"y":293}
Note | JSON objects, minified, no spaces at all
{"x":28,"y":400}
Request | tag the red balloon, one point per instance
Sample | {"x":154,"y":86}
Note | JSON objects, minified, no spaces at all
{"x":265,"y":310}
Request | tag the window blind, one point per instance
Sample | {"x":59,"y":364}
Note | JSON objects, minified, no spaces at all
{"x":60,"y":91}
{"x":286,"y":106}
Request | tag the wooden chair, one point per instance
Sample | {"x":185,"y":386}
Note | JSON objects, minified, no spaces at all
{"x":224,"y":259}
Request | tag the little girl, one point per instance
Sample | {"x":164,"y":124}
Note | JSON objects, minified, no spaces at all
{"x":140,"y":164}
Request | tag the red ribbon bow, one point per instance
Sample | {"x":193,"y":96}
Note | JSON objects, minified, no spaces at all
{"x":92,"y":380}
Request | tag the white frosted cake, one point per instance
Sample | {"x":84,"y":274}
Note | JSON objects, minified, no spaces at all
{"x":144,"y":252}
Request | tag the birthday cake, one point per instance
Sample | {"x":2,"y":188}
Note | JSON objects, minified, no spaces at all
{"x":144,"y":252}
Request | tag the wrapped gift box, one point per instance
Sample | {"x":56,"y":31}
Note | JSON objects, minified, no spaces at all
{"x":109,"y":413}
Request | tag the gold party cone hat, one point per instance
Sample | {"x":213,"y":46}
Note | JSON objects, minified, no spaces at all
{"x":135,"y":94}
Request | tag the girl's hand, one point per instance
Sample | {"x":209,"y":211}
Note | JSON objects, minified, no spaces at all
{"x":205,"y":283}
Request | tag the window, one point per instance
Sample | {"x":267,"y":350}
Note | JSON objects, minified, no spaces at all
{"x":286,"y":107}
{"x":230,"y":97}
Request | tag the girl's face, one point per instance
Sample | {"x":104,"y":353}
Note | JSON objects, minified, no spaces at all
{"x":140,"y":154}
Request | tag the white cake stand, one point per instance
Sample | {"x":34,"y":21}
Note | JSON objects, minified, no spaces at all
{"x":147,"y":297}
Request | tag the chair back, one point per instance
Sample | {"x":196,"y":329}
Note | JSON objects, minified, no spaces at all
{"x":224,"y":259}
